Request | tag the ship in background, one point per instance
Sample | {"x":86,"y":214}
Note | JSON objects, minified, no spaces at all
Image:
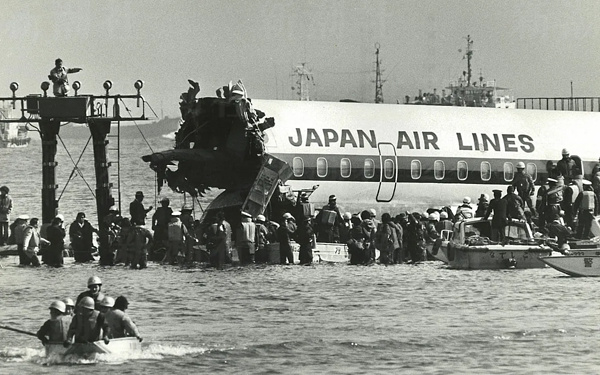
{"x":12,"y":134}
{"x":465,"y":92}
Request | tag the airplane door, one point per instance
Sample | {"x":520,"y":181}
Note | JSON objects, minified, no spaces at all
{"x":388,"y":172}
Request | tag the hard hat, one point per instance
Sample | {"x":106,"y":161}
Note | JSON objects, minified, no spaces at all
{"x":261,"y":218}
{"x":443,"y":215}
{"x":107,"y":302}
{"x":373,"y":212}
{"x":61,"y":217}
{"x":94,"y":280}
{"x":58,"y":305}
{"x":565,"y":246}
{"x":347,"y":215}
{"x":520,"y":165}
{"x":587,"y":182}
{"x":87,"y":303}
{"x":467,"y":200}
{"x":433,"y":216}
{"x":23,"y":217}
{"x":332,"y":197}
{"x":565,"y":151}
{"x":68,"y":302}
{"x":287,"y":216}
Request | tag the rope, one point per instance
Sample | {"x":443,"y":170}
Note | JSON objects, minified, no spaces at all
{"x":76,"y":168}
{"x":135,"y":123}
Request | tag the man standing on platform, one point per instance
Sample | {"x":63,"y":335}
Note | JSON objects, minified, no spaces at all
{"x":58,"y":76}
{"x":137,"y":210}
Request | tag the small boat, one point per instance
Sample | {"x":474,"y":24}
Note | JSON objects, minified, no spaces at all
{"x":115,"y":346}
{"x":470,"y":247}
{"x":12,"y":134}
{"x":583,"y":266}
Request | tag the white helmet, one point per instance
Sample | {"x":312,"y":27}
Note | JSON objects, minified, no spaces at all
{"x":287,"y":216}
{"x":94,"y":280}
{"x":467,"y":200}
{"x":520,"y":165}
{"x":443,"y":215}
{"x":261,"y":218}
{"x":347,"y":215}
{"x":68,"y":302}
{"x":107,"y":302}
{"x":58,"y":305}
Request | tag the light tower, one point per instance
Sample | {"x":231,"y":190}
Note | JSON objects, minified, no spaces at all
{"x":303,"y":76}
{"x":378,"y":80}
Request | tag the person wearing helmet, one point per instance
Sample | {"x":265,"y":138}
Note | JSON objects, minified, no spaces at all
{"x":586,"y":205}
{"x":464,"y":211}
{"x":566,"y":166}
{"x":70,"y":306}
{"x":88,"y":324}
{"x":5,"y":210}
{"x":262,"y":240}
{"x":119,"y":323}
{"x":328,"y":222}
{"x":94,"y":285}
{"x":56,"y":328}
{"x":245,"y":239}
{"x":431,"y":232}
{"x":523,"y":184}
{"x":346,"y":227}
{"x":482,"y":205}
{"x":55,"y":233}
{"x":177,"y":234}
{"x":285,"y":233}
{"x":445,"y":223}
{"x":106,"y":304}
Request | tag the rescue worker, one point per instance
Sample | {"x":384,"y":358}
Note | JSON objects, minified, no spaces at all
{"x":586,"y":205}
{"x":329,"y":220}
{"x":445,"y":223}
{"x":464,"y":211}
{"x":5,"y":210}
{"x":32,"y":241}
{"x":81,"y":235}
{"x":285,"y":233}
{"x":137,"y":210}
{"x":515,"y":204}
{"x":94,"y":285}
{"x":499,"y":207}
{"x":118,"y":322}
{"x":415,"y":237}
{"x":55,"y":234}
{"x":123,"y":254}
{"x":305,"y":236}
{"x":60,"y":80}
{"x":596,"y":184}
{"x":398,"y":256}
{"x":190,"y":240}
{"x":88,"y":324}
{"x":431,"y":232}
{"x":55,"y":329}
{"x":523,"y":185}
{"x":19,"y":232}
{"x":176,"y":235}
{"x":346,"y":227}
{"x":566,"y":166}
{"x":70,"y":306}
{"x":262,"y":240}
{"x":554,"y":197}
{"x":160,"y":222}
{"x":386,"y":239}
{"x":106,"y":305}
{"x":358,"y":244}
{"x":138,"y":241}
{"x":218,"y":238}
{"x":245,"y":239}
{"x":369,"y":227}
{"x":482,"y":206}
{"x":570,"y":194}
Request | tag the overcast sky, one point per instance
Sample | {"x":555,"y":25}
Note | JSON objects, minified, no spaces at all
{"x":534,"y":47}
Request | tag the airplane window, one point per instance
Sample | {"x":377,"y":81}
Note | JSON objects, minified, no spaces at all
{"x":298,"y":166}
{"x":439,"y":170}
{"x":415,"y":169}
{"x":345,"y":167}
{"x":532,"y":171}
{"x":509,"y":171}
{"x":486,"y":171}
{"x":321,"y":167}
{"x":369,"y":168}
{"x":388,"y":170}
{"x":462,"y":170}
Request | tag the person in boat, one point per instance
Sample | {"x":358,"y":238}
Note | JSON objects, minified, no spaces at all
{"x":32,"y":241}
{"x":56,"y":328}
{"x":137,"y":211}
{"x":523,"y":185}
{"x":586,"y":207}
{"x":566,"y":166}
{"x":515,"y":204}
{"x":138,"y":240}
{"x":329,"y":220}
{"x":81,"y":235}
{"x":464,"y":211}
{"x":119,"y":323}
{"x":94,"y":285}
{"x":59,"y":78}
{"x":160,"y":223}
{"x":55,"y":233}
{"x":285,"y":233}
{"x":88,"y":324}
{"x":5,"y":210}
{"x":70,"y":306}
{"x":499,"y":207}
{"x":484,"y":202}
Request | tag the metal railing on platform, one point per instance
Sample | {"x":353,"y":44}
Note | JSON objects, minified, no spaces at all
{"x":582,"y":103}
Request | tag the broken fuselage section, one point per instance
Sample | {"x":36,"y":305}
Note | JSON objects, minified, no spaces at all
{"x":220,"y":144}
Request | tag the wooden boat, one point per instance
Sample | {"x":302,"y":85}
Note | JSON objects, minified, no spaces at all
{"x":115,"y":346}
{"x":470,"y":247}
{"x":586,"y":266}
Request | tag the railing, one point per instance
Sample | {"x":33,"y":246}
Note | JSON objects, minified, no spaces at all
{"x":582,"y":104}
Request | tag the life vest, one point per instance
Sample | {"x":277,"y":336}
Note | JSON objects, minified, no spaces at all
{"x":587,"y":200}
{"x":175,"y":231}
{"x":86,"y":329}
{"x":58,"y":328}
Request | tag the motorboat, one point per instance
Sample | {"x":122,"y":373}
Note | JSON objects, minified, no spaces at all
{"x":575,"y":265}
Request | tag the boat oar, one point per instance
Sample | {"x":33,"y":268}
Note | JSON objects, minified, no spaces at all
{"x":19,"y":331}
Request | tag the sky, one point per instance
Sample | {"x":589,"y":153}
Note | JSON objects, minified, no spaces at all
{"x":537,"y":48}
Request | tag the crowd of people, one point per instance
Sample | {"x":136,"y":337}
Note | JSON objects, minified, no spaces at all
{"x":92,"y":317}
{"x":564,"y":208}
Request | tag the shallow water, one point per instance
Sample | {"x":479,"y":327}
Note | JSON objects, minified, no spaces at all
{"x":334,"y":319}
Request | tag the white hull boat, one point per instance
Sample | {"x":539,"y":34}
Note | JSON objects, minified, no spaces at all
{"x":582,"y":266}
{"x":115,"y":346}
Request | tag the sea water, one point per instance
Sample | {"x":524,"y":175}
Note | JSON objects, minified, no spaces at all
{"x":318,"y":319}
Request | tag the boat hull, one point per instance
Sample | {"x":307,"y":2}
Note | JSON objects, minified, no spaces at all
{"x":494,"y":257}
{"x":579,"y":266}
{"x":120,"y":345}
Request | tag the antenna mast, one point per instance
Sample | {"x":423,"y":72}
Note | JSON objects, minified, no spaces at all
{"x":303,"y":75}
{"x":469,"y":55}
{"x":378,"y":80}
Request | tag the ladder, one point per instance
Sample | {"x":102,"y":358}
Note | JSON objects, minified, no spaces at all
{"x":115,"y":173}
